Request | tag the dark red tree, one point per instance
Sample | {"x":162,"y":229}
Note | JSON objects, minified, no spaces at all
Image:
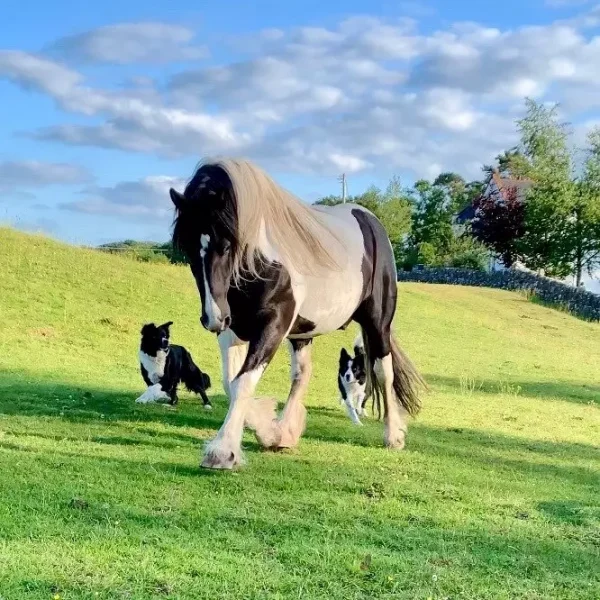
{"x":499,"y":223}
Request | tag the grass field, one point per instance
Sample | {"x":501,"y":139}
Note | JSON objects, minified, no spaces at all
{"x":495,"y":497}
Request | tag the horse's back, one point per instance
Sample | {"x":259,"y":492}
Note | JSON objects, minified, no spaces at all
{"x":329,"y":301}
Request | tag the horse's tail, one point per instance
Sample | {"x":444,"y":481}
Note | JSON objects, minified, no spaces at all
{"x":407,"y":380}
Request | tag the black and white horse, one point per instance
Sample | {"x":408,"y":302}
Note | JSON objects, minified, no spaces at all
{"x":270,"y":268}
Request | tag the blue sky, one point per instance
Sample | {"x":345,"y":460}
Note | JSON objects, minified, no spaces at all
{"x":104,"y":109}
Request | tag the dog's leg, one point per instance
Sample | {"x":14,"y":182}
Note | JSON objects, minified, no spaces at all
{"x":360,"y":408}
{"x":173,"y":399}
{"x":351,"y":410}
{"x":205,"y":400}
{"x":152,"y":394}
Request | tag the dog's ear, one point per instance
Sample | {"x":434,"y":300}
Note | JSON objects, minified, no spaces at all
{"x":167,"y":325}
{"x":344,"y":356}
{"x":147,"y":328}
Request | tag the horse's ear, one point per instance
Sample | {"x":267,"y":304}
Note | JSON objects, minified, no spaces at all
{"x":177,"y":198}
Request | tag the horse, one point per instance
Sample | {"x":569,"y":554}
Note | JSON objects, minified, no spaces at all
{"x":270,"y":267}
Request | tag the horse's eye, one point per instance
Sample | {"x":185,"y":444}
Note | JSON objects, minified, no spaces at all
{"x":226,"y":247}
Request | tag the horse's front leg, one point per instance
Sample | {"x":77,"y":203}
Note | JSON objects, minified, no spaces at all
{"x":286,"y":431}
{"x":225,"y":451}
{"x":233,"y":353}
{"x":293,"y":418}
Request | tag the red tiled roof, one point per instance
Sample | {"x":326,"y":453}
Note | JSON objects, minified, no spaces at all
{"x":506,"y":183}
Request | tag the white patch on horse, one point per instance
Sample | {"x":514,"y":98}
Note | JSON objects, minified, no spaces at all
{"x":225,"y":451}
{"x":330,"y":301}
{"x":233,"y":353}
{"x":154,"y":365}
{"x":205,"y":179}
{"x":213,"y":312}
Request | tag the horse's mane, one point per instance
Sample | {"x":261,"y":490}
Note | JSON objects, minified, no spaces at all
{"x":295,"y":229}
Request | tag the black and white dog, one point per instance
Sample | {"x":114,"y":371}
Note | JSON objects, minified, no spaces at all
{"x":352,"y":381}
{"x":165,"y":365}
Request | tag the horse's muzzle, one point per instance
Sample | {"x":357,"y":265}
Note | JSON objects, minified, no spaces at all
{"x":216,"y":325}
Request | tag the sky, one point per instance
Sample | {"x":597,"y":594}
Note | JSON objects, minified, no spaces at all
{"x":103,"y":110}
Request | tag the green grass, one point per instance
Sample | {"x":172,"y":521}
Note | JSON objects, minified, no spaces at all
{"x":495,"y":497}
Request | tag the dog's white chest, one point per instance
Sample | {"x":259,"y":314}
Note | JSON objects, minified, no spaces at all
{"x":154,"y":365}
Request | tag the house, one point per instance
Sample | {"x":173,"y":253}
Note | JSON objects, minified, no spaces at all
{"x":498,"y":188}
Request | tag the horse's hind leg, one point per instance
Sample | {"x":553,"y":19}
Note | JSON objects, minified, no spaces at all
{"x":396,"y":416}
{"x":380,"y":357}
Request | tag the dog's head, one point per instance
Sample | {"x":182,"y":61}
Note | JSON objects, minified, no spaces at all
{"x":352,"y":368}
{"x":155,"y":338}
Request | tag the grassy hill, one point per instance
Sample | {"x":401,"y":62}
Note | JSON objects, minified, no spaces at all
{"x":495,"y":497}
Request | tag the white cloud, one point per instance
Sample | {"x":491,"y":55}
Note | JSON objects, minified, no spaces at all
{"x":126,"y":43}
{"x":366,"y":94}
{"x":133,"y":123}
{"x":145,"y":199}
{"x":17,"y":176}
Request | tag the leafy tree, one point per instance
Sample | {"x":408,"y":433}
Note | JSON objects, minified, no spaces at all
{"x":499,"y":224}
{"x":550,"y":201}
{"x":392,"y":207}
{"x":432,"y":216}
{"x":582,"y":237}
{"x":467,"y":253}
{"x":510,"y":163}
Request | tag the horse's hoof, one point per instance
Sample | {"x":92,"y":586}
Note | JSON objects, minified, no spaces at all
{"x":221,"y":457}
{"x":396,"y":441}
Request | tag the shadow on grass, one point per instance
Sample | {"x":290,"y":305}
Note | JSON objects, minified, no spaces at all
{"x":80,"y":405}
{"x":578,"y":393}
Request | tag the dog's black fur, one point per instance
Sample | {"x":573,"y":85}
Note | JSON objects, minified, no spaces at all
{"x":352,"y":376}
{"x":179,"y":367}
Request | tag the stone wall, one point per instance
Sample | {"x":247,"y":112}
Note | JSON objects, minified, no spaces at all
{"x":578,"y":302}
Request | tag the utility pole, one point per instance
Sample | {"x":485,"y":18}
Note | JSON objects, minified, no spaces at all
{"x":342,"y":179}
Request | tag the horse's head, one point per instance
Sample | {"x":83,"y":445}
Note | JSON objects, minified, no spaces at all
{"x":205,"y":232}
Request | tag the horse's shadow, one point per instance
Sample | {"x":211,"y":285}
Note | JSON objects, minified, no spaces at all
{"x":189,"y":424}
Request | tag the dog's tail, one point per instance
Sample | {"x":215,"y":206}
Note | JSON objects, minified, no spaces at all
{"x":407,"y":380}
{"x":193,"y":378}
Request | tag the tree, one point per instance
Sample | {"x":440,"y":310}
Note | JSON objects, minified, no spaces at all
{"x":510,"y":163}
{"x":549,"y":202}
{"x":582,"y":238}
{"x":432,"y":216}
{"x":499,"y":224}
